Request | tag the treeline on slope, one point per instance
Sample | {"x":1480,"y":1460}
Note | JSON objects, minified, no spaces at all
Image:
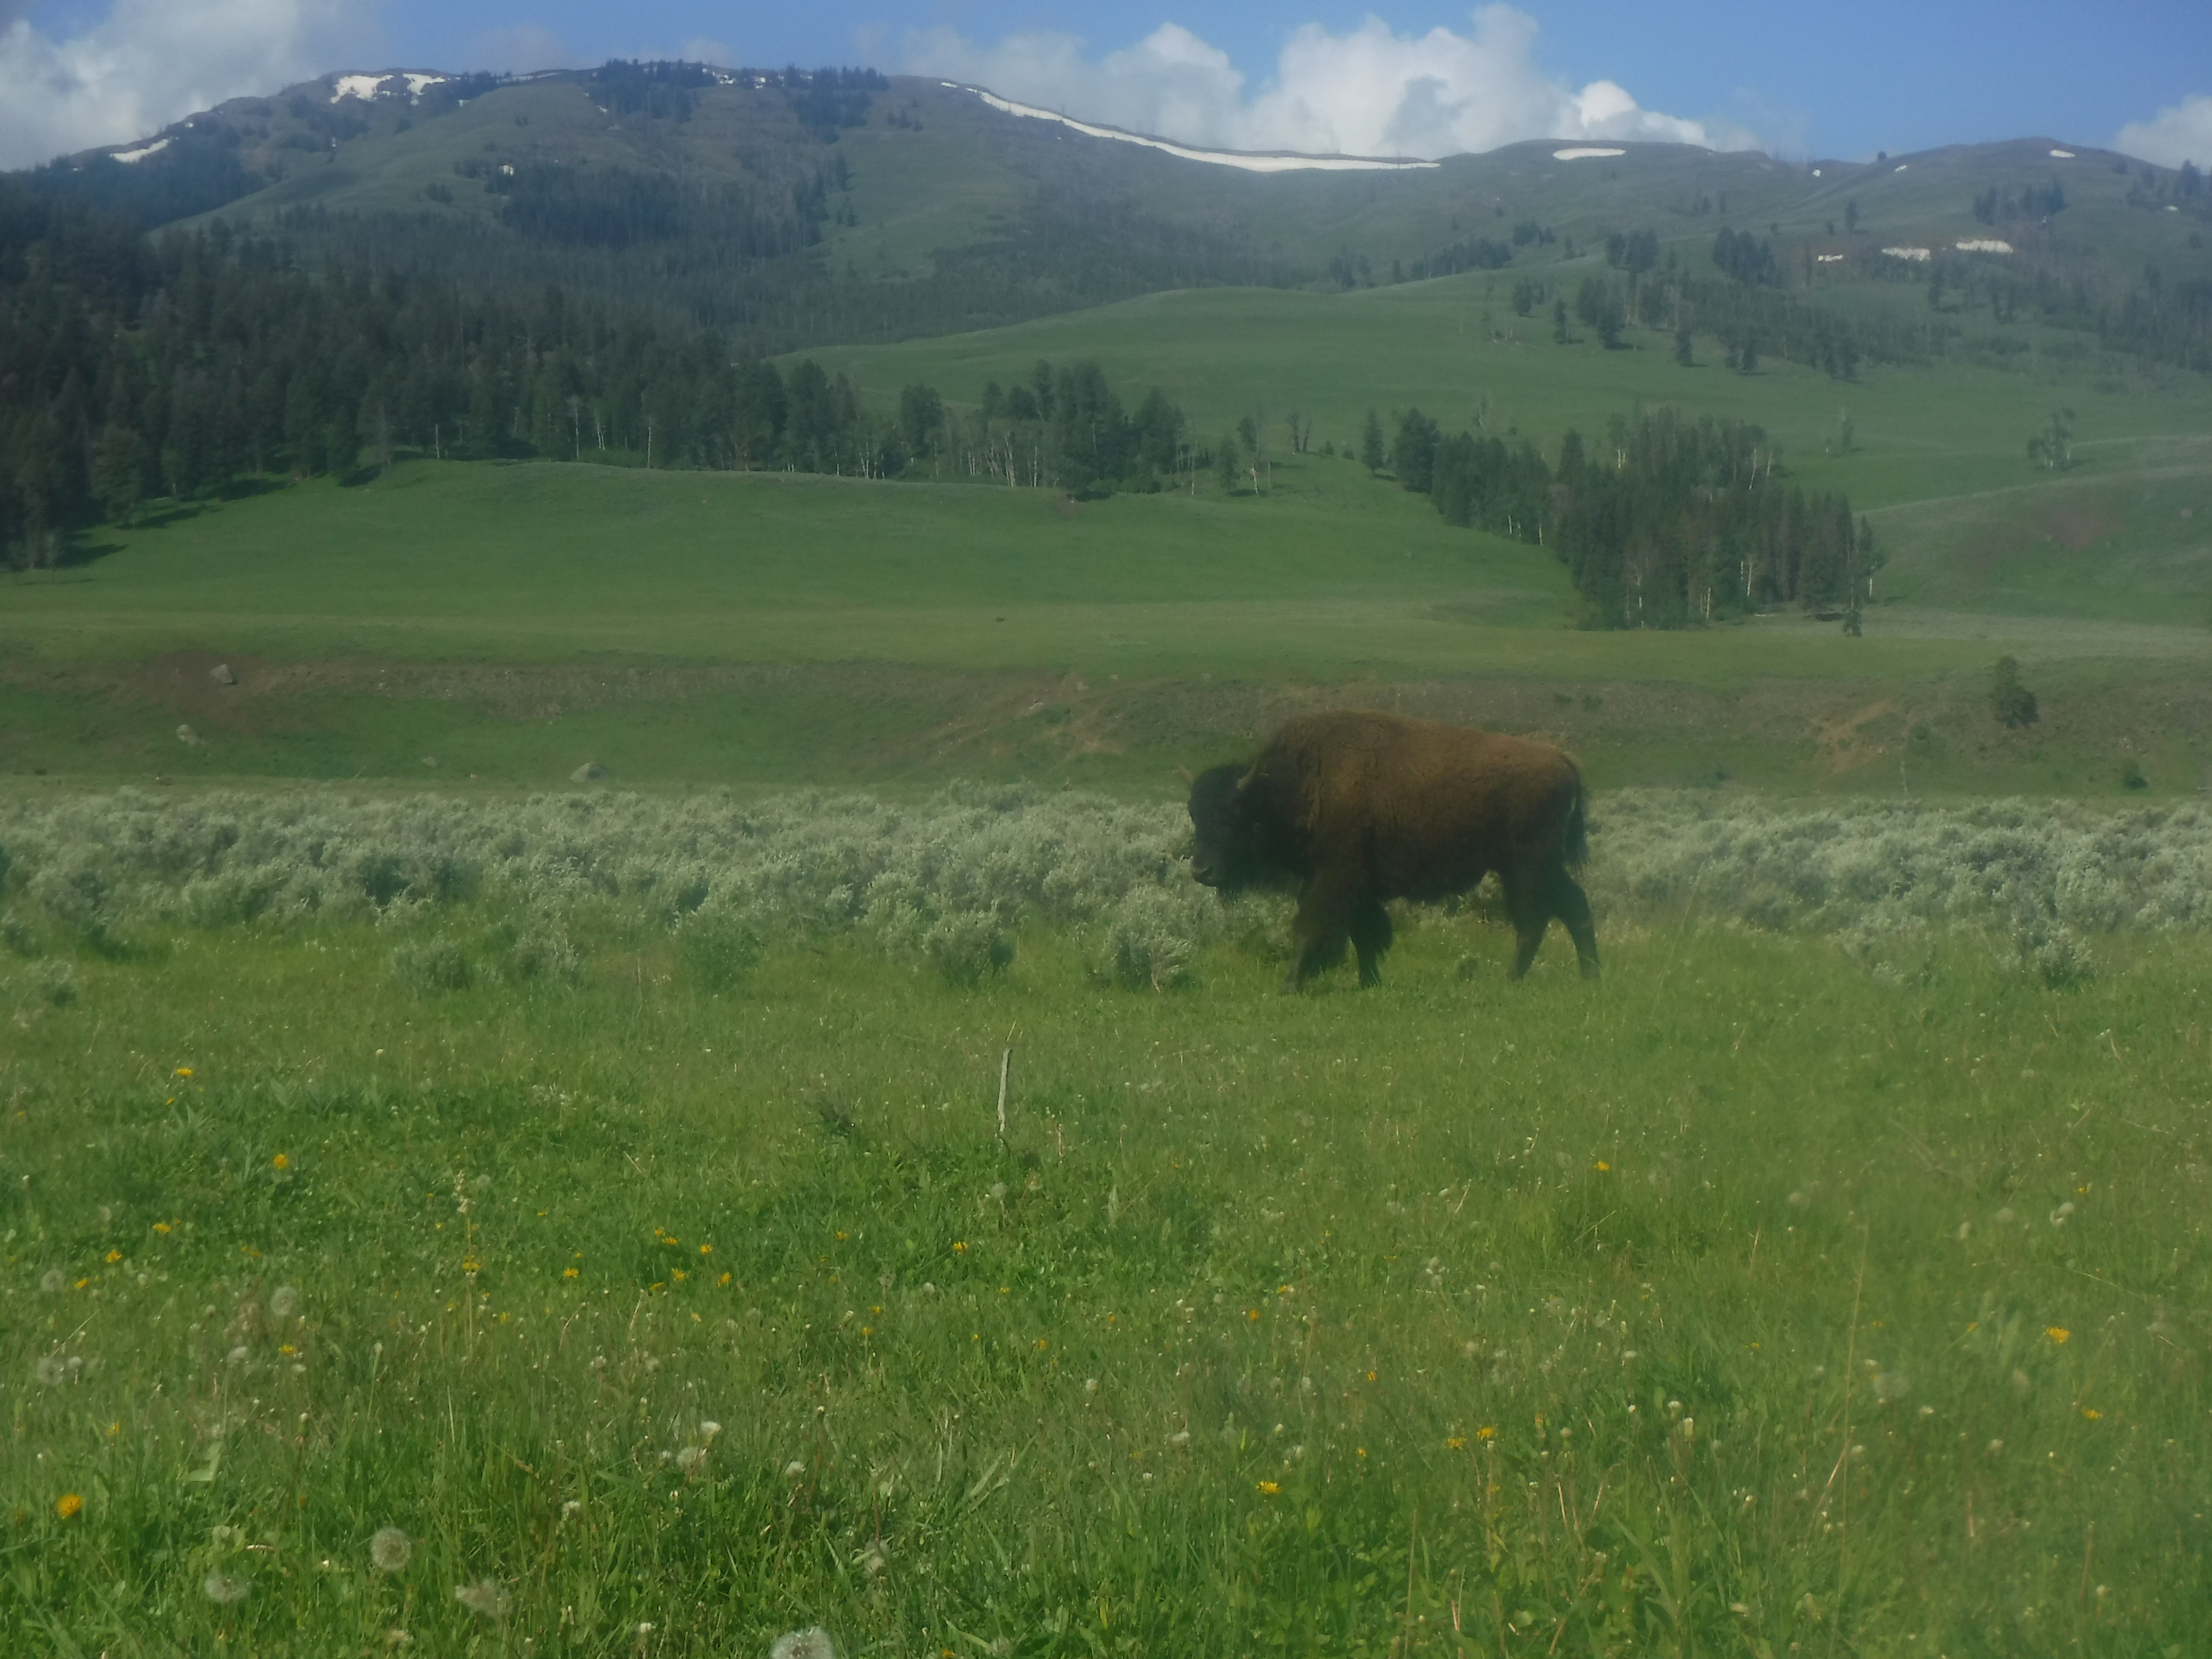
{"x":1053,"y":256}
{"x":132,"y":370}
{"x":1675,"y":522}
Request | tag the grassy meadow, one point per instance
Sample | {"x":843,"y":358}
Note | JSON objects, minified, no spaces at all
{"x":612,"y":1198}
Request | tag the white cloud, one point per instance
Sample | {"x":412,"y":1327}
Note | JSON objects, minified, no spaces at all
{"x":1369,"y":91}
{"x":704,"y":49}
{"x":148,"y":62}
{"x":2181,"y":132}
{"x":519,"y":49}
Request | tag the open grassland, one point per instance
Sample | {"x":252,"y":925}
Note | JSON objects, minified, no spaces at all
{"x":512,"y":621}
{"x":610,"y":1199}
{"x":509,"y":622}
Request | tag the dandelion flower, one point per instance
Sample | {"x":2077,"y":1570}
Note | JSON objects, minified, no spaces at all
{"x":284,"y":1301}
{"x":280,"y":1162}
{"x":51,"y":1368}
{"x":389,"y":1549}
{"x":813,"y":1643}
{"x":569,"y":1272}
{"x":68,"y":1506}
{"x":182,"y":1071}
{"x":487,"y":1596}
{"x":1268,"y":1488}
{"x":2091,"y":1413}
{"x":223,"y":1589}
{"x":1456,"y":1442}
{"x":115,"y":1256}
{"x":1485,"y":1433}
{"x":162,"y":1227}
{"x":2057,"y":1332}
{"x":53,"y":1282}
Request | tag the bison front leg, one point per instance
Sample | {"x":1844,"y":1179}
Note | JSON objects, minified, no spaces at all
{"x":1322,"y":927}
{"x":1371,"y":937}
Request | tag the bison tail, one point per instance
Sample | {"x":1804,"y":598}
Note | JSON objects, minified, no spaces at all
{"x":1574,"y":845}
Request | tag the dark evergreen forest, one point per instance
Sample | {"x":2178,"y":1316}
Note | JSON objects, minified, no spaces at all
{"x":1676,"y":523}
{"x":134,"y":370}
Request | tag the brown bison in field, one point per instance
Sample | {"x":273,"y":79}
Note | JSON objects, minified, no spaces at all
{"x":1359,"y":807}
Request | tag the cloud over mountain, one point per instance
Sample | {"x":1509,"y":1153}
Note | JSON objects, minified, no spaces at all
{"x":1369,"y":91}
{"x":148,"y":62}
{"x":2181,"y":132}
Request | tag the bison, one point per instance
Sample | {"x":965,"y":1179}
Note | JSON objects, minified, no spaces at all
{"x":1357,"y":807}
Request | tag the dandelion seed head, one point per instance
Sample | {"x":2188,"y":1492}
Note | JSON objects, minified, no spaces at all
{"x":690,"y":1458}
{"x":239,"y":1355}
{"x":284,"y":1301}
{"x":793,"y":1470}
{"x":813,"y":1643}
{"x":487,"y":1596}
{"x":53,"y":1281}
{"x":573,"y":1508}
{"x":223,"y":1589}
{"x":390,"y":1548}
{"x":51,"y":1370}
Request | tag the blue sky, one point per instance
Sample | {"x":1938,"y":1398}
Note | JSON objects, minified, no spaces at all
{"x":1844,"y":80}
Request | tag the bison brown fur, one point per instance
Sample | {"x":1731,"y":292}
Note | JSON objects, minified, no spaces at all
{"x":1357,"y":807}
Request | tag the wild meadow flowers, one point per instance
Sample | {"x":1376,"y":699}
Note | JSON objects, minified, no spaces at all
{"x":390,"y":1549}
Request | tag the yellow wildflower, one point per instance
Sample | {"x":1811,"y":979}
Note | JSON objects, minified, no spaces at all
{"x":68,"y":1506}
{"x":1269,"y":1488}
{"x":2057,"y":1332}
{"x":1455,"y":1441}
{"x":281,"y":1162}
{"x":1486,"y":1433}
{"x":569,"y":1272}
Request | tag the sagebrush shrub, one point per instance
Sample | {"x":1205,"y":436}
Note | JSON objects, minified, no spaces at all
{"x":431,"y":967}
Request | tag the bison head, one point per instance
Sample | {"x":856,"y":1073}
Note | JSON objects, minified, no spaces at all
{"x":1231,"y":844}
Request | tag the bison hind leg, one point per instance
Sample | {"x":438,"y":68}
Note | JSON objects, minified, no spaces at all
{"x":1371,"y":936}
{"x":1571,"y":906}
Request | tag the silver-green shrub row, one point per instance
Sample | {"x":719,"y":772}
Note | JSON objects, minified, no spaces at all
{"x":947,"y":879}
{"x":944,"y":880}
{"x":2038,"y":875}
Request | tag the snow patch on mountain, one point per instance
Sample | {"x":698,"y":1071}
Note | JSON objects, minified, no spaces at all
{"x":1272,"y":161}
{"x":369,"y":88}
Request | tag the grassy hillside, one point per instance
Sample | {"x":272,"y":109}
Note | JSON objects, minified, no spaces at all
{"x":944,"y":212}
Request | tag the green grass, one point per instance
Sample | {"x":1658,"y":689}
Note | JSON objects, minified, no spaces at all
{"x":1436,"y":1279}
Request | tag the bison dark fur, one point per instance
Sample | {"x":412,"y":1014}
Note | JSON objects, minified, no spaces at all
{"x":1357,"y":807}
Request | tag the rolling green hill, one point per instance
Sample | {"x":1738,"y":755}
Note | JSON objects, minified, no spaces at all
{"x":912,"y":207}
{"x":505,"y":622}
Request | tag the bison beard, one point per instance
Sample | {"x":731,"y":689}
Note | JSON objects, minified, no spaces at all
{"x":1357,"y":807}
